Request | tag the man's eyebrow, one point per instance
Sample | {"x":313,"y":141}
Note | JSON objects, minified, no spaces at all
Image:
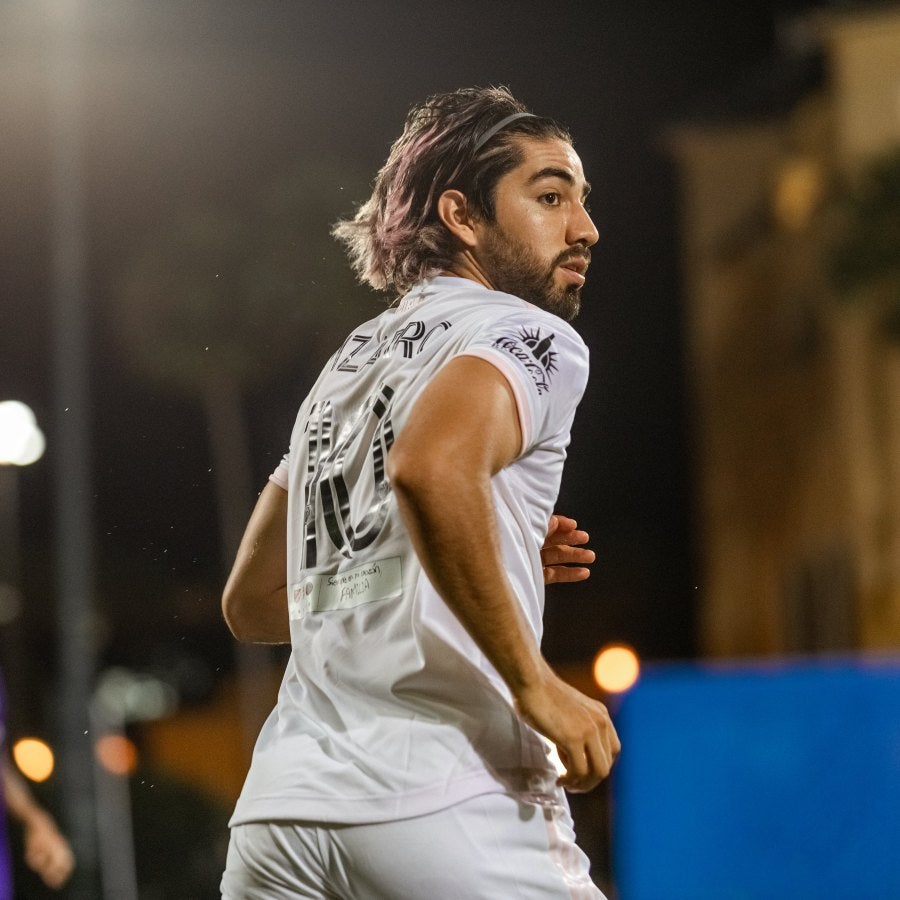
{"x":563,"y":174}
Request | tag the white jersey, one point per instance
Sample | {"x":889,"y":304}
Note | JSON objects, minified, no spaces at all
{"x":388,"y":709}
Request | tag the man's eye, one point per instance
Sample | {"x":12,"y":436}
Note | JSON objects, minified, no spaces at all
{"x":551,"y":198}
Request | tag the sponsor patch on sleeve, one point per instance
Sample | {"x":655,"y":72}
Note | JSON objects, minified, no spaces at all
{"x":533,"y":348}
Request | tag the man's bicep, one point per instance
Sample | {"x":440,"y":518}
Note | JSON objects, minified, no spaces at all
{"x":260,"y":567}
{"x":467,"y":412}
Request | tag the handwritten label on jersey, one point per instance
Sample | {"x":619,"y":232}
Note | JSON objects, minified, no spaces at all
{"x":377,"y":580}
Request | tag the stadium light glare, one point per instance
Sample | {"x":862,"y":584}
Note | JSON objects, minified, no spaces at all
{"x":616,"y":668}
{"x":34,"y":759}
{"x":21,"y":441}
{"x":117,"y":754}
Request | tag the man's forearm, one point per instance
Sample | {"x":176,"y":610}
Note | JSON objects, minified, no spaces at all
{"x":464,"y":563}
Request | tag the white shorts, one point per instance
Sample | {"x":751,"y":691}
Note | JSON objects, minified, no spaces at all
{"x":492,"y":846}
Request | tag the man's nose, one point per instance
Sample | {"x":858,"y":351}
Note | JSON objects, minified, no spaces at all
{"x":582,"y":229}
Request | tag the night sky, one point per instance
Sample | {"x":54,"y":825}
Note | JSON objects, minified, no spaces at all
{"x":192,"y":108}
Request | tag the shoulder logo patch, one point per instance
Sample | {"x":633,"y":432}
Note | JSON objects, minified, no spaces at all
{"x":535,"y":351}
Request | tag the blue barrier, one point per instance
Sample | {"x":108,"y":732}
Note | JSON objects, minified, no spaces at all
{"x":759,"y":782}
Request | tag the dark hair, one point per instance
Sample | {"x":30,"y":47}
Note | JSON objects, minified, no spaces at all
{"x":396,"y":237}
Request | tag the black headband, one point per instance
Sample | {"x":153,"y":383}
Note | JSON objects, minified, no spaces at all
{"x":499,"y":126}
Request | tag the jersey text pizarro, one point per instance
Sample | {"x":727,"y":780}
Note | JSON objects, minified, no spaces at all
{"x":356,"y":352}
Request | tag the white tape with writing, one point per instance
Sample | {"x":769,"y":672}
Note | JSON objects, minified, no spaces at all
{"x":377,"y":580}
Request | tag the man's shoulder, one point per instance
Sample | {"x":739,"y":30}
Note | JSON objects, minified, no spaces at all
{"x":484,"y":305}
{"x":531,"y":323}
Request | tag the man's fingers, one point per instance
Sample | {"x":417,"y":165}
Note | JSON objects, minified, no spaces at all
{"x":566,"y":564}
{"x":576,"y":783}
{"x":561,"y":523}
{"x":578,"y":773}
{"x":566,"y":537}
{"x":587,"y":766}
{"x":601,"y":757}
{"x":557,"y":556}
{"x":565,"y":574}
{"x":589,"y":760}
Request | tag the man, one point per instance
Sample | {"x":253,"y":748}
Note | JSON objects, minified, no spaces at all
{"x":398,"y":547}
{"x":46,"y":851}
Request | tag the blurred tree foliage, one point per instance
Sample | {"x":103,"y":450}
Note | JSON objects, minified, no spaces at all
{"x":865,"y":258}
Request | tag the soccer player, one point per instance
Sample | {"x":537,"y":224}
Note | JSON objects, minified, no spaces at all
{"x":398,"y":545}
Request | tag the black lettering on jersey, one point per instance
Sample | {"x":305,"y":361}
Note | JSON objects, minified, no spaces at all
{"x":336,"y":357}
{"x":407,"y":337}
{"x":360,"y":340}
{"x":534,"y":351}
{"x":318,"y":442}
{"x":412,"y":339}
{"x":333,"y":474}
{"x":442,"y":326}
{"x":376,"y":354}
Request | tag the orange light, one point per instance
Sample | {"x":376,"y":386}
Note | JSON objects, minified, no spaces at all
{"x":117,"y":754}
{"x":616,"y":668}
{"x":798,"y":193}
{"x":34,"y":759}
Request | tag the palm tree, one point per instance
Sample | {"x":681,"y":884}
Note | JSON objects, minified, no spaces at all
{"x":220,"y":300}
{"x":865,"y":264}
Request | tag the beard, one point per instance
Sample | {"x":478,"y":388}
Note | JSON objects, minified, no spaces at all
{"x":515,"y":269}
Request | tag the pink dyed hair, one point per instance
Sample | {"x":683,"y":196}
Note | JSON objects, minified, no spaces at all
{"x":396,"y":238}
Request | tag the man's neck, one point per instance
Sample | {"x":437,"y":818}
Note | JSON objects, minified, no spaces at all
{"x":466,"y":266}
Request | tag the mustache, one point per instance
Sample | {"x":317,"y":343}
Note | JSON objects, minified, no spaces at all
{"x":570,"y":255}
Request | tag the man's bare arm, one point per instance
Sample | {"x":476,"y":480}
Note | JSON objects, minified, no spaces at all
{"x":254,"y":601}
{"x":47,"y":852}
{"x":463,"y":429}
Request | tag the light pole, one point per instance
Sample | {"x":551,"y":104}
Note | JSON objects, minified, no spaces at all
{"x":21,"y":444}
{"x":75,"y":582}
{"x":121,"y":696}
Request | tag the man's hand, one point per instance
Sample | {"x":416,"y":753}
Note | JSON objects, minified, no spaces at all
{"x":562,"y":556}
{"x":47,"y":852}
{"x":581,"y":728}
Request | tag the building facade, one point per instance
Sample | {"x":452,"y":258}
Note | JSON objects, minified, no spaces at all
{"x":796,"y":394}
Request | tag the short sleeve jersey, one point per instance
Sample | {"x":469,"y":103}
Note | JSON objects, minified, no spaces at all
{"x":388,"y":708}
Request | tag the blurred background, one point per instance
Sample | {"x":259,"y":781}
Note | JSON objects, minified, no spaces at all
{"x":168,"y":292}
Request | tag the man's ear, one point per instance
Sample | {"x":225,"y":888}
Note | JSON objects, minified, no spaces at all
{"x":453,"y":211}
